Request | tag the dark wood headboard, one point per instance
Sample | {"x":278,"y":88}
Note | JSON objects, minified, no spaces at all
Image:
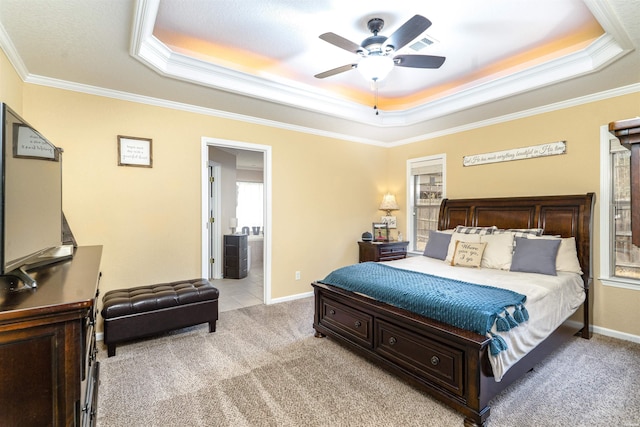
{"x":566,"y":216}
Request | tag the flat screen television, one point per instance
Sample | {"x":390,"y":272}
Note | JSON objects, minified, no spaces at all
{"x":31,"y":198}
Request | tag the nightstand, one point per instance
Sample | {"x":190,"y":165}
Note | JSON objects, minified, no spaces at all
{"x":382,"y":251}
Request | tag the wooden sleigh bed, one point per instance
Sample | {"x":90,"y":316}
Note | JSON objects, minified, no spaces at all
{"x":450,"y":363}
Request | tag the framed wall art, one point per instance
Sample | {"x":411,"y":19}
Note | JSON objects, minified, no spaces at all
{"x":390,"y":220}
{"x":380,"y":232}
{"x":134,"y":151}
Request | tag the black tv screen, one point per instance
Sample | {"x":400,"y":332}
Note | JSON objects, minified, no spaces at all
{"x":31,"y":196}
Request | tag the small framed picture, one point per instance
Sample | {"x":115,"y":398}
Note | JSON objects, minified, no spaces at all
{"x":380,"y":232}
{"x":391,"y":221}
{"x":134,"y":151}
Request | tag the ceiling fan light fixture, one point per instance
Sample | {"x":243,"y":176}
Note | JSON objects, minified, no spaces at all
{"x":375,"y":67}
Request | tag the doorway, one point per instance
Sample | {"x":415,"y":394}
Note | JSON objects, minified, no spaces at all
{"x":226,"y":163}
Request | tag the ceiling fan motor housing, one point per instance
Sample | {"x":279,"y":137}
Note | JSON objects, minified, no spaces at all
{"x":374,"y":45}
{"x":375,"y":25}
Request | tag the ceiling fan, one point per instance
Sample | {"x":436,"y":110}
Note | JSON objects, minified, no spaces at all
{"x":377,"y":51}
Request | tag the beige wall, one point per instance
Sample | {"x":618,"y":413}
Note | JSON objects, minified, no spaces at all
{"x":149,"y":220}
{"x":575,"y":172}
{"x":10,"y":85}
{"x":325,"y":191}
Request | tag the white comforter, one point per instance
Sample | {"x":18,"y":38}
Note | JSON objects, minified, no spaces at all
{"x":550,"y":301}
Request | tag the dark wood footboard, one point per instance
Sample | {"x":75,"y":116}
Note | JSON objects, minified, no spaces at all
{"x":441,"y":360}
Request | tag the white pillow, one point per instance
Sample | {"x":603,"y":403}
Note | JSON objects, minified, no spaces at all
{"x":475,"y":238}
{"x":499,"y":250}
{"x":567,"y":259}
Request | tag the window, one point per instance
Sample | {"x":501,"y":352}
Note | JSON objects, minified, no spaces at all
{"x":426,"y":188}
{"x":250,"y":205}
{"x":620,"y":259}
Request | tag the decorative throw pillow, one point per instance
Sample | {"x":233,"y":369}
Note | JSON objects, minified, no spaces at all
{"x":521,"y":232}
{"x":535,"y":256}
{"x":475,"y":230}
{"x":498,"y":252}
{"x":468,"y":254}
{"x":437,"y":245}
{"x":475,"y":238}
{"x":567,"y":259}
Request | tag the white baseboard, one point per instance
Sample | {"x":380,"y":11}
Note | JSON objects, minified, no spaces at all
{"x":607,"y":332}
{"x":290,"y":298}
{"x":616,"y":334}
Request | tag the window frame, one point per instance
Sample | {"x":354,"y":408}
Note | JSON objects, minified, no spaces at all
{"x":607,"y":235}
{"x":410,"y":236}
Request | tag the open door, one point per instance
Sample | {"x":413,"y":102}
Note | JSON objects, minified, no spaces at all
{"x":213,"y":226}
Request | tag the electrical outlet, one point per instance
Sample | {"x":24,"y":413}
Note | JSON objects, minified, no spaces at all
{"x":297,"y":275}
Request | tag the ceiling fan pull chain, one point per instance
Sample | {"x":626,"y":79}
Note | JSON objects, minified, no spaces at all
{"x":375,"y":100}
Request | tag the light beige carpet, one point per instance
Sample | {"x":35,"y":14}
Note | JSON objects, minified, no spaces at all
{"x":263,"y":367}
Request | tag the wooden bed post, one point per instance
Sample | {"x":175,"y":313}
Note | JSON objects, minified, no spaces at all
{"x":587,"y":229}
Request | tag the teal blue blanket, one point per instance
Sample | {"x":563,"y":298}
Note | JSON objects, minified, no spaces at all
{"x":464,"y":305}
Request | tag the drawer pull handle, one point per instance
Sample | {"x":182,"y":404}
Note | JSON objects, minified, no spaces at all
{"x":435,"y":360}
{"x":358,"y":324}
{"x":392,"y":340}
{"x":332,"y":312}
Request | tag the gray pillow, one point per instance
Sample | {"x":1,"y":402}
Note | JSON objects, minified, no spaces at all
{"x":535,"y":256}
{"x":437,"y":245}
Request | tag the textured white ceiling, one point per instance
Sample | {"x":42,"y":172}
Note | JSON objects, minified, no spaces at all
{"x":255,"y":60}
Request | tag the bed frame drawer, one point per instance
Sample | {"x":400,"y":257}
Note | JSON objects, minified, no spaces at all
{"x":417,"y":353}
{"x":351,"y":324}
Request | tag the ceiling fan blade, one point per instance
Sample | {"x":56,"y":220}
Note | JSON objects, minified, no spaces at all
{"x":340,"y":41}
{"x":419,"y":61}
{"x":408,"y":31}
{"x":336,"y":71}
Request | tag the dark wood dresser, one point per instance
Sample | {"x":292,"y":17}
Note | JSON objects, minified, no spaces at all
{"x":48,"y":367}
{"x":382,"y":251}
{"x":235,"y":256}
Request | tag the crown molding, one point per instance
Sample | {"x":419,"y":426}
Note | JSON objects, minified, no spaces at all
{"x":625,"y":90}
{"x":12,"y":54}
{"x":153,"y":53}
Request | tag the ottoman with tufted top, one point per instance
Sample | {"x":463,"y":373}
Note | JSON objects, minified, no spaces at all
{"x":147,"y":310}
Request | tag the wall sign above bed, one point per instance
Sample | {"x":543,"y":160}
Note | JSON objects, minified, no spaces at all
{"x":542,"y":150}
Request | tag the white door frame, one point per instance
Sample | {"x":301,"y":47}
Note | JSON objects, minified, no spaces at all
{"x":266,"y":150}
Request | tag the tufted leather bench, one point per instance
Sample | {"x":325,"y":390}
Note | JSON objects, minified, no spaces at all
{"x":147,"y":310}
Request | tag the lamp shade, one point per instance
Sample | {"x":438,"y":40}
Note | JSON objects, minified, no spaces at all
{"x":389,"y":203}
{"x":375,"y":67}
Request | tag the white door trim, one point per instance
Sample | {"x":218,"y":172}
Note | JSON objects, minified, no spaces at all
{"x":266,"y":150}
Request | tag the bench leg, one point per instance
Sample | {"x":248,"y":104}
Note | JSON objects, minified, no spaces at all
{"x":212,"y":326}
{"x":111,"y":350}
